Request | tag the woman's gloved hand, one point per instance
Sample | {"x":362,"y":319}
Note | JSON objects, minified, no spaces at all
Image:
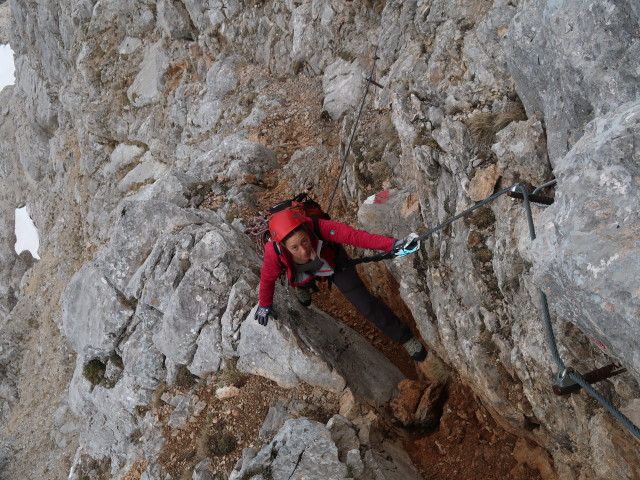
{"x":405,"y":246}
{"x":263,"y":313}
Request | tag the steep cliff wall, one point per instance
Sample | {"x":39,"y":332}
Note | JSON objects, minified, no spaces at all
{"x":127,"y":118}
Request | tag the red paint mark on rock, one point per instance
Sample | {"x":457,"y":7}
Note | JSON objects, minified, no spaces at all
{"x":382,"y":197}
{"x":599,"y":343}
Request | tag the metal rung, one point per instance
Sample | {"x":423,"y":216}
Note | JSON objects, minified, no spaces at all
{"x":532,"y":198}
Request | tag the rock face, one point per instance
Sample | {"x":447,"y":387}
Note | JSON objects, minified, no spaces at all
{"x":139,"y":132}
{"x":5,"y":22}
{"x":573,"y":63}
{"x":592,"y":198}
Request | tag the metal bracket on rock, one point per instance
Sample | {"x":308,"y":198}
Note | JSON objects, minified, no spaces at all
{"x":565,"y":386}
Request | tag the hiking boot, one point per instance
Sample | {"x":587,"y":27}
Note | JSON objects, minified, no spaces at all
{"x":303,"y":295}
{"x":415,"y":349}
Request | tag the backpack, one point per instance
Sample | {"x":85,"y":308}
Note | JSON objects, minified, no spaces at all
{"x":302,"y":202}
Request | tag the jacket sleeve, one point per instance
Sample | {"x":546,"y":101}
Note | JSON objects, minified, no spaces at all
{"x":342,"y":233}
{"x":271,"y":269}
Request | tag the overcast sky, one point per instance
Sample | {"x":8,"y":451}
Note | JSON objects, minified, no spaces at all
{"x":6,"y":66}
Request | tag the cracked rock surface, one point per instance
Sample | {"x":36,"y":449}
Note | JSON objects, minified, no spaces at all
{"x":142,"y":135}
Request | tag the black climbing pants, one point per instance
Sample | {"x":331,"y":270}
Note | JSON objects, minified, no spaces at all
{"x":346,"y":278}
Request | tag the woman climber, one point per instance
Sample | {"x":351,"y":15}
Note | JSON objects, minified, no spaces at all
{"x":308,"y":247}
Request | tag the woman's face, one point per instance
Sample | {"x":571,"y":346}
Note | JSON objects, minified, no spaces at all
{"x":299,"y":245}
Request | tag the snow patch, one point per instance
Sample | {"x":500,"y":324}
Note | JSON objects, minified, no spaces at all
{"x":26,"y":233}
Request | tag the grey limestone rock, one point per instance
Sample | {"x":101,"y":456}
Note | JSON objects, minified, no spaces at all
{"x":308,"y":168}
{"x":189,"y":282}
{"x":295,"y":449}
{"x":127,"y":114}
{"x":154,"y":472}
{"x":181,"y":412}
{"x":391,"y":462}
{"x":202,"y":472}
{"x":274,"y":420}
{"x":148,"y":86}
{"x":302,"y":448}
{"x":522,"y":154}
{"x":5,"y":22}
{"x":278,"y":414}
{"x":343,"y":87}
{"x":174,"y":19}
{"x":586,"y":253}
{"x":183,"y":284}
{"x":12,"y":265}
{"x":573,"y":62}
{"x":218,"y":341}
{"x":308,"y":345}
{"x":143,"y":362}
{"x":230,"y":157}
{"x":94,"y":314}
{"x":135,"y":234}
{"x":275,"y":352}
{"x":390,"y":212}
{"x":344,"y":436}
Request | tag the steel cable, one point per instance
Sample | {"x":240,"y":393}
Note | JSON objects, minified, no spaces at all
{"x":548,"y":327}
{"x":355,"y":126}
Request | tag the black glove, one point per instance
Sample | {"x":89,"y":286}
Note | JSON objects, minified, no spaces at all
{"x":263,"y":313}
{"x":406,"y":245}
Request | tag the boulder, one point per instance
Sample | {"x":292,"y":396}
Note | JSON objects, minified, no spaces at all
{"x":483,"y":183}
{"x":278,"y":414}
{"x":418,"y":403}
{"x":174,"y":19}
{"x":302,"y":448}
{"x":522,"y":155}
{"x":390,"y":462}
{"x":293,"y":450}
{"x":310,"y":346}
{"x":343,"y":87}
{"x":308,"y":168}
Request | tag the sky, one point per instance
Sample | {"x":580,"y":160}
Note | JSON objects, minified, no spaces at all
{"x":26,"y":232}
{"x":6,"y":66}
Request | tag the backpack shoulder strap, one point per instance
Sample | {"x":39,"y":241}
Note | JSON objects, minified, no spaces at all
{"x":316,"y":227}
{"x":276,"y":249}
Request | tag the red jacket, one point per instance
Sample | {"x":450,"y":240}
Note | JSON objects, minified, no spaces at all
{"x":331,"y":231}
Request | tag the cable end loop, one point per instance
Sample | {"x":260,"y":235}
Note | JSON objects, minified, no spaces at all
{"x":563,"y":380}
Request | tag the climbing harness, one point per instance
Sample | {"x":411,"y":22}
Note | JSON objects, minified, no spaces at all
{"x":568,"y":381}
{"x":355,"y":126}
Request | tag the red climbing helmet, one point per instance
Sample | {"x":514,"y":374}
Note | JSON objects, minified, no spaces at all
{"x":285,"y":221}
